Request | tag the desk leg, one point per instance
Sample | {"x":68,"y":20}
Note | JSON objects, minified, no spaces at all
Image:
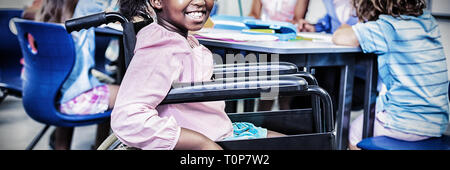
{"x":344,"y":107}
{"x":369,"y":94}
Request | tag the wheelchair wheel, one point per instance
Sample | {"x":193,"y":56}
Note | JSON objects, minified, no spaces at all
{"x":112,"y":143}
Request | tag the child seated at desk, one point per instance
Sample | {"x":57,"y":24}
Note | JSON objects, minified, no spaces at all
{"x":291,"y":11}
{"x":166,"y":54}
{"x":411,"y":63}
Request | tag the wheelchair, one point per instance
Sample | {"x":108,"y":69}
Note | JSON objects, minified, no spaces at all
{"x":306,"y":129}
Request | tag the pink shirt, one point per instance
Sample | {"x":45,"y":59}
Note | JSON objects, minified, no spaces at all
{"x":278,"y":10}
{"x":162,"y":58}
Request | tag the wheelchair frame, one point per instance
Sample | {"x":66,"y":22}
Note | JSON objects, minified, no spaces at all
{"x":294,"y":123}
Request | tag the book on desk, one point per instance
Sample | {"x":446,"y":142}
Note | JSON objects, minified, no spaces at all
{"x":242,"y":29}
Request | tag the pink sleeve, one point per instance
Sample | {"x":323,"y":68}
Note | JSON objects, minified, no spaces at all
{"x":155,"y":66}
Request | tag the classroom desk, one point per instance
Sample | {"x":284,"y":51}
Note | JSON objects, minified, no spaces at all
{"x":317,"y":54}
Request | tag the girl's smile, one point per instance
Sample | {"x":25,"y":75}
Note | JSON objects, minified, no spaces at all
{"x":196,"y":16}
{"x":182,"y":16}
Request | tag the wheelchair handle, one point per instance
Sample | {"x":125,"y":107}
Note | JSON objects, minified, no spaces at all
{"x":94,"y":20}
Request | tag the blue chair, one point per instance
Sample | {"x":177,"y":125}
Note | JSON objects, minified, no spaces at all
{"x":46,"y":69}
{"x":10,"y":55}
{"x":387,"y":143}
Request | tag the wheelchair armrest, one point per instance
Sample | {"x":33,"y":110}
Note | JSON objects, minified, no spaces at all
{"x":226,"y":90}
{"x":247,"y":88}
{"x":311,"y":80}
{"x":94,"y":20}
{"x":254,"y":69}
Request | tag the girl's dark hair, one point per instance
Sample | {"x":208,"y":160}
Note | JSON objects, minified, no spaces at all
{"x":135,"y":8}
{"x":370,"y":10}
{"x":56,"y":11}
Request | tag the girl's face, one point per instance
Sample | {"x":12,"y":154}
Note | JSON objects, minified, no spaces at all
{"x":186,"y":15}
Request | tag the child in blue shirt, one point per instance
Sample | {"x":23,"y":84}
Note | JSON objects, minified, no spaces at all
{"x":411,"y":64}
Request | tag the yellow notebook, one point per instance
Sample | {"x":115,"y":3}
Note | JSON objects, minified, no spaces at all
{"x":268,"y":31}
{"x":209,"y":24}
{"x":299,"y":38}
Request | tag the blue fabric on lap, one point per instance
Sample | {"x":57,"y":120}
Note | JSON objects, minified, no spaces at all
{"x":245,"y":130}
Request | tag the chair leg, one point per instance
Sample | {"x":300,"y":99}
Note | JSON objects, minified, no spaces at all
{"x":3,"y":94}
{"x":37,"y":138}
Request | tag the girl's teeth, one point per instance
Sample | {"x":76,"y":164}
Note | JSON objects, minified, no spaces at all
{"x":195,"y":14}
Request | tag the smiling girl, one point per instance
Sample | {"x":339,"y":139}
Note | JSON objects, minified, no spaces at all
{"x":166,"y":54}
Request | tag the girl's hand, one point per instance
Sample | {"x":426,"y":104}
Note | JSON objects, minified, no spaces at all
{"x":304,"y":26}
{"x":191,"y":140}
{"x":345,"y":36}
{"x":344,"y":26}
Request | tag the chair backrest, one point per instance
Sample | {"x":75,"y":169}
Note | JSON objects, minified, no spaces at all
{"x":47,"y":66}
{"x":10,"y":54}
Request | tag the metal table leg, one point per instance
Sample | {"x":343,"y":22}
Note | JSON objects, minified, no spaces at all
{"x":369,"y":94}
{"x":344,"y":106}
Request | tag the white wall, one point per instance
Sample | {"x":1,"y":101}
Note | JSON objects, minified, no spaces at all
{"x":440,"y":7}
{"x":230,"y":7}
{"x":444,"y":26}
{"x":316,"y":10}
{"x":17,"y":4}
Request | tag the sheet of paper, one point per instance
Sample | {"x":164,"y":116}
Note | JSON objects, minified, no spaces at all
{"x":231,"y":23}
{"x":317,"y":37}
{"x":235,"y":36}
